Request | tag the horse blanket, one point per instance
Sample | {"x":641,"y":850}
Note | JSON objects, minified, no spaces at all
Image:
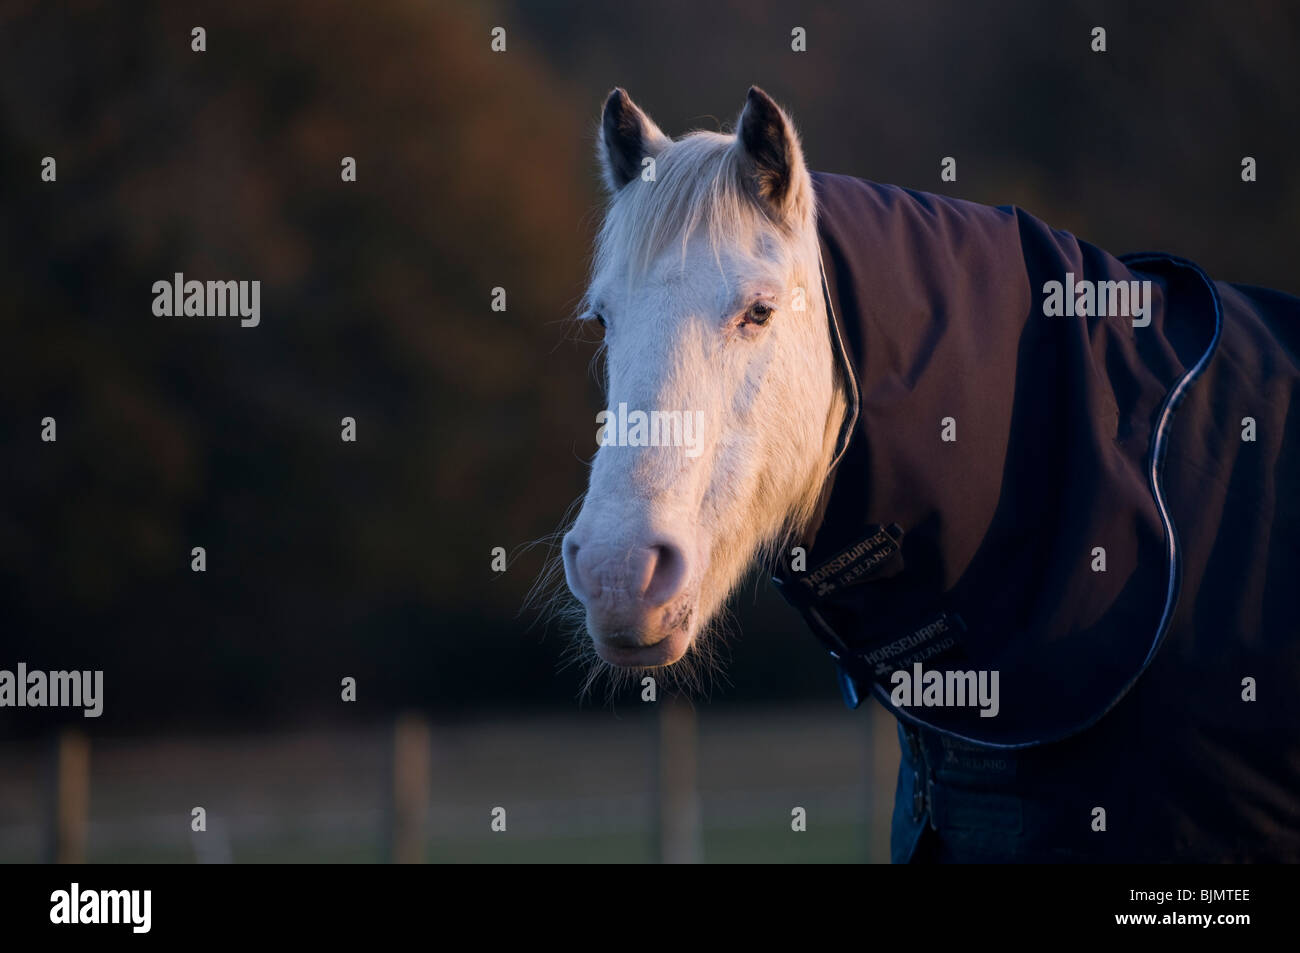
{"x":1068,"y":484}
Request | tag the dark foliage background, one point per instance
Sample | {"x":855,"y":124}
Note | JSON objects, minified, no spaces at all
{"x":371,"y":559}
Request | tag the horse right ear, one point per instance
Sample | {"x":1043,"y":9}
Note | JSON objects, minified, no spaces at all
{"x":773,"y":159}
{"x":627,"y":137}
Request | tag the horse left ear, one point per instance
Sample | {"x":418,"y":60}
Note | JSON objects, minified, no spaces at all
{"x":773,"y":159}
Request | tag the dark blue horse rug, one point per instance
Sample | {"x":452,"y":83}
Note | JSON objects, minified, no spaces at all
{"x":1062,"y":540}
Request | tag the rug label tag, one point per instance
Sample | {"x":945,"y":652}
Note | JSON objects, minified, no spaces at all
{"x":933,"y":637}
{"x":879,"y":555}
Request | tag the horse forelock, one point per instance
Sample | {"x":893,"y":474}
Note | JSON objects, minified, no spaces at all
{"x":698,"y":188}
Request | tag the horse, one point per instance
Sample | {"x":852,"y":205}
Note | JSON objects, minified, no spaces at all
{"x":1031,"y":496}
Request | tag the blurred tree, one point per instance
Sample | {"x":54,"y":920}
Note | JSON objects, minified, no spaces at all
{"x":474,"y":171}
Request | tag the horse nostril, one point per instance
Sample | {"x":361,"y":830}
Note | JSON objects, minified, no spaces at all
{"x":579,"y":584}
{"x":667,"y":573}
{"x":614,"y":579}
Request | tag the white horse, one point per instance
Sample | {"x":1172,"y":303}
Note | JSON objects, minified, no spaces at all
{"x":706,"y":282}
{"x":1110,"y":543}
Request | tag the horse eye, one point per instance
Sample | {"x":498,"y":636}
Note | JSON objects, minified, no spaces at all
{"x":759,"y":313}
{"x":600,"y":319}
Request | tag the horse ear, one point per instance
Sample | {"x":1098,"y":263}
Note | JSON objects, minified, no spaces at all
{"x":627,"y":136}
{"x":773,"y":159}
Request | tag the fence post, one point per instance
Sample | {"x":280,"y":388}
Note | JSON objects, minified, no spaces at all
{"x":71,"y":801}
{"x":412,"y":782}
{"x":678,"y":803}
{"x":881,"y":781}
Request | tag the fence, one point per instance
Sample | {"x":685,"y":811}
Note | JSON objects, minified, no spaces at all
{"x":662,"y":783}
